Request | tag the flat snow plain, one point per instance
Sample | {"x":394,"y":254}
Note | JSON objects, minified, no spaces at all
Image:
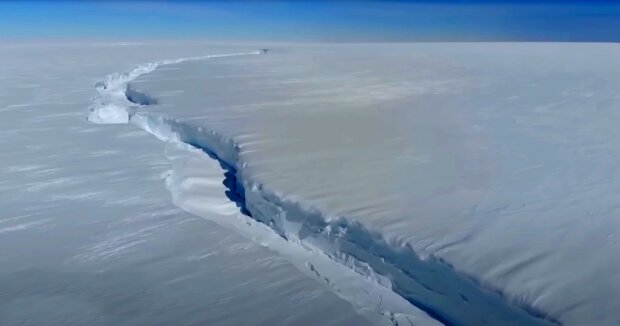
{"x":88,"y":232}
{"x":481,"y":182}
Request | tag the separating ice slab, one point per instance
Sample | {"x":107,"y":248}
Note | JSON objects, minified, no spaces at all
{"x":482,"y":180}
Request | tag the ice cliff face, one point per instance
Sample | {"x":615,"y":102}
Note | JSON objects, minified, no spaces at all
{"x":88,"y":233}
{"x":204,"y":160}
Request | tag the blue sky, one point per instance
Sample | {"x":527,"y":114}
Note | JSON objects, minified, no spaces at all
{"x":315,"y":21}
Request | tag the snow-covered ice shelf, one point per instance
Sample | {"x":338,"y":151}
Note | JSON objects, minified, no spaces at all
{"x":477,"y":181}
{"x":88,"y":233}
{"x":196,"y":186}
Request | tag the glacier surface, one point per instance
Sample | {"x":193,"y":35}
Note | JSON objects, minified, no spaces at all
{"x":477,"y":181}
{"x":194,"y":183}
{"x":88,"y":232}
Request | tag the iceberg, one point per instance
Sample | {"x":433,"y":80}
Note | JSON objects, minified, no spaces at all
{"x":475,"y":180}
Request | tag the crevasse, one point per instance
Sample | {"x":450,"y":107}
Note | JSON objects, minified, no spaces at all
{"x":429,"y":284}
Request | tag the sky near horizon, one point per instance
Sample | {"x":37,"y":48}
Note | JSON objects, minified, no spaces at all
{"x":315,"y":21}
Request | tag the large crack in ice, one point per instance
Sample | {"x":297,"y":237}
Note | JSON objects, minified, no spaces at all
{"x":117,"y":99}
{"x":429,"y":284}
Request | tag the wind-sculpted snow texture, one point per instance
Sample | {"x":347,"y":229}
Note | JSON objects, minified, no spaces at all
{"x":88,"y":232}
{"x":478,"y":181}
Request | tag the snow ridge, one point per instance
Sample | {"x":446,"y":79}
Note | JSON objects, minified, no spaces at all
{"x":429,"y":284}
